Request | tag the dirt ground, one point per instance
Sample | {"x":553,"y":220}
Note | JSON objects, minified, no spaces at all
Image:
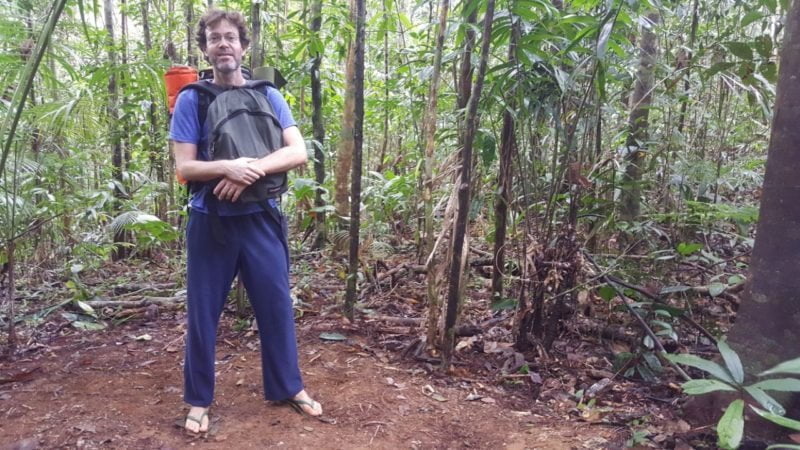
{"x":121,"y":388}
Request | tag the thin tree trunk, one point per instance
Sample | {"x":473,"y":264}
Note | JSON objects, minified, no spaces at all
{"x":688,"y":67}
{"x":118,"y":159}
{"x":256,"y":52}
{"x":429,"y":130}
{"x":508,"y":141}
{"x":344,"y":158}
{"x":9,"y":272}
{"x":638,"y":123}
{"x":319,"y":132}
{"x":471,"y":122}
{"x":385,"y":142}
{"x":191,"y":57}
{"x":768,"y":320}
{"x":358,"y":138}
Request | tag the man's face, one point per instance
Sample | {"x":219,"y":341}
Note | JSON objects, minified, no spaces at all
{"x":223,"y":48}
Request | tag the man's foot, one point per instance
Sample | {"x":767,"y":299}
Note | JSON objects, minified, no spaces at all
{"x":305,"y":404}
{"x":197,"y":420}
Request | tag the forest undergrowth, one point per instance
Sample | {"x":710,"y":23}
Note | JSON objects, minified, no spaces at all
{"x":602,"y":368}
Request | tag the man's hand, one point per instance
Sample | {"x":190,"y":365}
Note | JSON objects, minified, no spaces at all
{"x":240,"y":171}
{"x":228,"y":189}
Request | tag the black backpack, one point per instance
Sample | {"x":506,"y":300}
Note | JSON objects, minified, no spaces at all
{"x":241,"y":123}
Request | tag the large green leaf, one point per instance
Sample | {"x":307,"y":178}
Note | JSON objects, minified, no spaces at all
{"x":765,"y":400}
{"x":780,"y":420}
{"x":698,"y":387}
{"x":742,"y":50}
{"x":732,"y":361}
{"x":711,"y":367}
{"x":779,"y":384}
{"x":791,"y":367}
{"x":730,"y":427}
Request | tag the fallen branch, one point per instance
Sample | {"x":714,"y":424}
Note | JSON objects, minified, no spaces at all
{"x":135,"y":303}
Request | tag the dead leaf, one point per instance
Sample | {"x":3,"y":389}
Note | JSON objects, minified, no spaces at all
{"x":795,"y":437}
{"x":473,"y":397}
{"x":438,"y":398}
{"x":488,"y":400}
{"x":144,"y":337}
{"x":309,"y":429}
{"x":240,"y":382}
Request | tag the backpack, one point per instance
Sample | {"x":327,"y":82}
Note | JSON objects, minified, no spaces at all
{"x":241,"y":123}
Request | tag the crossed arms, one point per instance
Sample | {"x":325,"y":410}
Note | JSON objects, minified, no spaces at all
{"x":237,"y":174}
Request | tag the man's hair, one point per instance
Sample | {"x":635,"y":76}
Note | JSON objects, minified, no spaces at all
{"x":214,"y":15}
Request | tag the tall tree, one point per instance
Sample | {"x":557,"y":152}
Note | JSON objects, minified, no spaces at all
{"x":358,"y":139}
{"x":636,"y":143}
{"x":767,"y":325}
{"x":318,"y":130}
{"x":112,"y":110}
{"x":508,"y":142}
{"x":344,"y":156}
{"x":429,"y":131}
{"x":471,"y":122}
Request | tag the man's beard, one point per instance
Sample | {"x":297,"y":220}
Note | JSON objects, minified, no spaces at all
{"x":227,"y":66}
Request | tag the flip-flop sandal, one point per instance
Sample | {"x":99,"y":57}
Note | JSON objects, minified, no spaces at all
{"x":297,"y":405}
{"x":199,"y":422}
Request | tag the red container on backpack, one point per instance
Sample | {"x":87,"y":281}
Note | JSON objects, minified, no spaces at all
{"x":176,"y":78}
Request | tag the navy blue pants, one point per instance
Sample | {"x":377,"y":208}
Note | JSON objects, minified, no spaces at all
{"x":255,"y":246}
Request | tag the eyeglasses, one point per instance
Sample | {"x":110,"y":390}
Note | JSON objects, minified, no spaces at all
{"x":230,"y":38}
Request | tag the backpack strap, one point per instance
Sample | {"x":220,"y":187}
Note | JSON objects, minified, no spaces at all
{"x":206,"y":93}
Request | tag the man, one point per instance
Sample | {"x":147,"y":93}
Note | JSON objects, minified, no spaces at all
{"x":254,"y":241}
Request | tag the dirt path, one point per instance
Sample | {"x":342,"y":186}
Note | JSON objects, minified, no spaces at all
{"x":108,"y":389}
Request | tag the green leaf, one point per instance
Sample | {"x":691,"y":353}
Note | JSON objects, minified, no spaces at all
{"x":686,"y":249}
{"x":730,"y":427}
{"x":780,"y":420}
{"x":763,"y":45}
{"x":740,"y":49}
{"x":711,"y":367}
{"x":790,"y":367}
{"x":602,"y":39}
{"x":779,"y":384}
{"x":714,"y":289}
{"x":732,"y":361}
{"x":606,"y":292}
{"x":789,"y":446}
{"x":699,"y":387}
{"x":750,"y":17}
{"x":88,"y":326}
{"x":765,"y":400}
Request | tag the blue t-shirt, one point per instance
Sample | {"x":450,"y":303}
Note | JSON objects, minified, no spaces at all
{"x":186,"y":128}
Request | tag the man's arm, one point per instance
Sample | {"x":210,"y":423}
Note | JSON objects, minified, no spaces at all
{"x":239,"y":171}
{"x":286,"y":158}
{"x":292,"y":155}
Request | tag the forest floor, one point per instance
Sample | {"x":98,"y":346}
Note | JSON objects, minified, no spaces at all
{"x":121,"y":387}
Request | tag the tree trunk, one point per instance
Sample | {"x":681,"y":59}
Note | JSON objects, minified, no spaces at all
{"x":429,"y":131}
{"x":319,"y":132}
{"x":471,"y":122}
{"x":112,"y":110}
{"x":191,"y":57}
{"x":344,"y":158}
{"x":358,"y":138}
{"x":637,"y":124}
{"x":256,"y":50}
{"x":767,"y":324}
{"x":508,"y":142}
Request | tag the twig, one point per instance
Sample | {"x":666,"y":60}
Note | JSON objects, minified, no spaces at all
{"x":657,"y":299}
{"x":662,"y":351}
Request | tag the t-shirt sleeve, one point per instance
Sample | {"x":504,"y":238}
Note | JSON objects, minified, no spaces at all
{"x":280,"y":108}
{"x":184,"y":126}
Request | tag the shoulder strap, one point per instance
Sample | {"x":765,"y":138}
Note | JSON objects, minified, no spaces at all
{"x":206,"y":93}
